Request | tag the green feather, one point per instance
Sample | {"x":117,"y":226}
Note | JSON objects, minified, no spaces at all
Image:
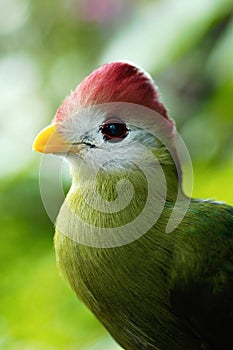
{"x":163,"y":290}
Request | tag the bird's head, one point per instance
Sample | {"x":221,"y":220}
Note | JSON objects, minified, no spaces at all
{"x":120,"y":143}
{"x":110,"y":121}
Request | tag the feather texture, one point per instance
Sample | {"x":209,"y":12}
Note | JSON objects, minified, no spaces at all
{"x":163,"y":291}
{"x":154,"y":290}
{"x":113,"y":82}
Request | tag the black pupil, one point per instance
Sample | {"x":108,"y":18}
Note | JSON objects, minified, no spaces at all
{"x":114,"y":129}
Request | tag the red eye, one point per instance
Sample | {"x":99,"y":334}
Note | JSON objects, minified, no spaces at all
{"x":114,"y":129}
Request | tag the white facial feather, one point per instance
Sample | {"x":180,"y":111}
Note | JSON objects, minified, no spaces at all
{"x":85,"y":127}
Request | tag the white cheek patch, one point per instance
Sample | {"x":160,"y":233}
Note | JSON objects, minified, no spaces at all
{"x":118,"y":155}
{"x":84,"y":127}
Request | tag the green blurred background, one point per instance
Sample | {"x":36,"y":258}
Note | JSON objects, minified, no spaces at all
{"x":46,"y":48}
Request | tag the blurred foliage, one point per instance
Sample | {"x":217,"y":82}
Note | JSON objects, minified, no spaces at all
{"x":46,"y":48}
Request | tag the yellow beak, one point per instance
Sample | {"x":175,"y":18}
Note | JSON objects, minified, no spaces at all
{"x":49,"y":140}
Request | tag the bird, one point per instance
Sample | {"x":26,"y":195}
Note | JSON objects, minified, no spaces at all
{"x":151,"y":288}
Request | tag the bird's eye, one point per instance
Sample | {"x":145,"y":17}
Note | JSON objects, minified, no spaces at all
{"x":114,"y":129}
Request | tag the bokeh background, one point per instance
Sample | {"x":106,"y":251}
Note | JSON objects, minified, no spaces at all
{"x":46,"y":48}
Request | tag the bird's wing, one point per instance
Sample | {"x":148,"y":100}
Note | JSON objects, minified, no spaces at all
{"x":202,"y":291}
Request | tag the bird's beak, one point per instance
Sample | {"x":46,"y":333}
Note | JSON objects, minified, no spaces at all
{"x":49,"y":140}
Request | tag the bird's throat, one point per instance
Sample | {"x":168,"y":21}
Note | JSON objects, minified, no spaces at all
{"x":115,"y":198}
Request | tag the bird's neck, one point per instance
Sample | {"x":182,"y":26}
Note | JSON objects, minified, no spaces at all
{"x":163,"y":179}
{"x":128,"y":200}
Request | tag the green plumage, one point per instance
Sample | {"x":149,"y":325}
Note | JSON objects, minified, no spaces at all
{"x":151,"y":289}
{"x":166,"y":291}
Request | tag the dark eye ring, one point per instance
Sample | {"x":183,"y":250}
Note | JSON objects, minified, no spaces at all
{"x":114,"y":129}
